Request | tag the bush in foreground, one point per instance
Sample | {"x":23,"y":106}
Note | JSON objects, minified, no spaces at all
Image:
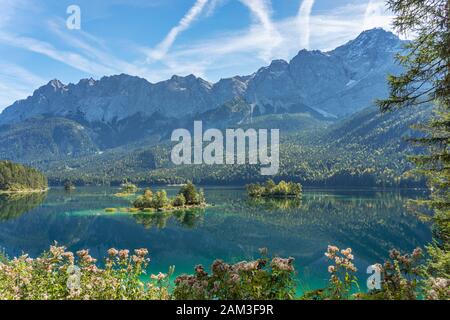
{"x":262,"y":279}
{"x":60,"y":275}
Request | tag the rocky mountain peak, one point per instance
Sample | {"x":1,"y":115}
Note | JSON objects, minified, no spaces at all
{"x":338,"y":82}
{"x":56,"y":84}
{"x":376,"y":39}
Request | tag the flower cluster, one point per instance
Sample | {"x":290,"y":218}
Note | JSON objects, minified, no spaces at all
{"x":439,"y":289}
{"x":259,"y":279}
{"x":59,"y":274}
{"x":343,"y":258}
{"x":342,"y":272}
{"x":282,"y":264}
{"x":401,"y":276}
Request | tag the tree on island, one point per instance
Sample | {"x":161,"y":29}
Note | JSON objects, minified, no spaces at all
{"x":68,"y":185}
{"x":160,"y":199}
{"x":187,"y":196}
{"x":128,"y":187}
{"x":191,"y":195}
{"x":271,"y":189}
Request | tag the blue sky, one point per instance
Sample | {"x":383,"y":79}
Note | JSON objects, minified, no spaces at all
{"x":155,"y":39}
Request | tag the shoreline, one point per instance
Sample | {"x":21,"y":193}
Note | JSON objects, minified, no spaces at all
{"x":277,"y":197}
{"x":162,"y":210}
{"x":23,"y":191}
{"x":173,"y":209}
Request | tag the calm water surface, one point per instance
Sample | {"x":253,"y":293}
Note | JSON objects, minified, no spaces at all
{"x":370,"y":222}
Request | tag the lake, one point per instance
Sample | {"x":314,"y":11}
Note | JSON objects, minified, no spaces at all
{"x":369,"y":221}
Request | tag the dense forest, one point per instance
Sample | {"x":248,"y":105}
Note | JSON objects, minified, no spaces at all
{"x":16,"y":177}
{"x":367,"y":149}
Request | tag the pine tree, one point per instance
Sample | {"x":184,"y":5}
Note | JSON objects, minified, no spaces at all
{"x":426,"y":80}
{"x":189,"y":192}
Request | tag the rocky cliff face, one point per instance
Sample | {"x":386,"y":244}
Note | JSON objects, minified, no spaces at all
{"x":335,"y":83}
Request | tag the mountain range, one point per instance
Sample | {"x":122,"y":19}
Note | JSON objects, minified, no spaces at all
{"x":335,"y":83}
{"x":119,"y":115}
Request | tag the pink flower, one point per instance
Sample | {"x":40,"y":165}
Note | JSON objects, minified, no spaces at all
{"x":123,"y":254}
{"x":113,"y":252}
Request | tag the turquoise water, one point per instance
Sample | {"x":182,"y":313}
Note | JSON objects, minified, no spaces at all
{"x":369,"y":221}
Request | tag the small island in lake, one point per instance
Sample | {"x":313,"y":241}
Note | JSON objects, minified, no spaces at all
{"x":187,"y":198}
{"x":272,"y":190}
{"x":127,"y":189}
{"x":17,"y":178}
{"x":69,"y":186}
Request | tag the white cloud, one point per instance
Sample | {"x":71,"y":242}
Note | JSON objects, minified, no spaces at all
{"x":237,"y":50}
{"x":304,"y":15}
{"x":376,"y":15}
{"x":262,"y":11}
{"x":163,"y":47}
{"x":213,"y":5}
{"x":8,"y":10}
{"x":15,"y":83}
{"x":70,"y":58}
{"x":92,"y":49}
{"x":223,"y":54}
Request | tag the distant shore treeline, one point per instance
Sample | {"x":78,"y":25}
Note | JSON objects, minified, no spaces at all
{"x":343,"y":180}
{"x":18,"y":178}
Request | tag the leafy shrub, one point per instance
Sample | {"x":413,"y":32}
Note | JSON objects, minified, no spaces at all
{"x":438,"y":289}
{"x":262,"y":279}
{"x":401,"y":276}
{"x":342,"y":273}
{"x":179,"y":201}
{"x":144,"y":201}
{"x":160,"y":200}
{"x":128,"y":187}
{"x":60,"y":275}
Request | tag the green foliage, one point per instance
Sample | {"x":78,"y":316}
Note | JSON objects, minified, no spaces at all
{"x":437,"y":284}
{"x":144,"y":201}
{"x":342,"y":276}
{"x":342,"y":273}
{"x":160,"y":200}
{"x":190,"y":193}
{"x":401,"y":277}
{"x":262,"y":279}
{"x":427,"y":79}
{"x":272,"y":190}
{"x":45,"y":138}
{"x":187,"y":195}
{"x":128,"y":188}
{"x":366,"y":149}
{"x":60,"y":275}
{"x":16,"y":177}
{"x":179,"y":200}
